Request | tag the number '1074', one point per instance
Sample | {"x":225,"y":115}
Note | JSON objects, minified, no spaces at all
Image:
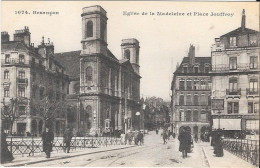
{"x":21,"y":12}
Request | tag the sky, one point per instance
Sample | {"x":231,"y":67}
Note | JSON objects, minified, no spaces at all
{"x":164,"y":40}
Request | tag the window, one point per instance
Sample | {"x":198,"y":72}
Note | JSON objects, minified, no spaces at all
{"x":203,"y":85}
{"x":209,"y":100}
{"x":182,"y":86}
{"x":189,"y":84}
{"x":196,"y":85}
{"x":181,"y":100}
{"x":233,"y":107}
{"x":188,"y":115}
{"x":185,"y":69}
{"x":89,"y":74}
{"x":7,"y":58}
{"x":232,"y":84}
{"x":195,"y":115}
{"x":89,"y":112}
{"x":233,"y":41}
{"x":204,"y":99}
{"x":182,"y":116}
{"x":253,"y":62}
{"x":127,"y":54}
{"x":6,"y":92}
{"x":188,"y":100}
{"x":196,"y":99}
{"x":22,"y":110}
{"x":21,"y":58}
{"x":252,"y":39}
{"x":253,"y":85}
{"x":253,"y":107}
{"x":21,"y":74}
{"x":233,"y":63}
{"x":206,"y":69}
{"x":33,"y":60}
{"x":21,"y":92}
{"x":89,"y":29}
{"x":203,"y":117}
{"x":6,"y":74}
{"x":196,"y":69}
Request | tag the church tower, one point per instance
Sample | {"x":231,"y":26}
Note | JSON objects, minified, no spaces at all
{"x":94,"y":31}
{"x":130,"y":51}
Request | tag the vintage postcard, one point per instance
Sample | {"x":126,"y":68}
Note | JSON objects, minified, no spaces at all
{"x":130,"y":84}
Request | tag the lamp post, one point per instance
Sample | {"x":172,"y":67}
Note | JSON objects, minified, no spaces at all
{"x":219,"y":119}
{"x":138,"y":116}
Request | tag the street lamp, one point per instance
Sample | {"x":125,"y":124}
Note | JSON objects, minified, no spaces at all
{"x":138,"y":116}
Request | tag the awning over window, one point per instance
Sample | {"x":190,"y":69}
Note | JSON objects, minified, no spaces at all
{"x":227,"y":124}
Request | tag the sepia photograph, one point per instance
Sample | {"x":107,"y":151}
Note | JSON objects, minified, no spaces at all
{"x":130,"y":84}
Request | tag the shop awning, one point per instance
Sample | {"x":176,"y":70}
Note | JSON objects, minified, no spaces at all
{"x":227,"y":124}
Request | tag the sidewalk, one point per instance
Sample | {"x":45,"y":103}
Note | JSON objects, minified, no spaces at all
{"x":227,"y":161}
{"x":19,"y":160}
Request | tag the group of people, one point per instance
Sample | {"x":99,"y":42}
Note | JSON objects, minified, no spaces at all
{"x":217,"y":143}
{"x":137,"y":137}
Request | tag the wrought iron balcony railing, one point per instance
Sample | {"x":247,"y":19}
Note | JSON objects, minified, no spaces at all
{"x":233,"y":91}
{"x":239,"y":67}
{"x":252,"y":91}
{"x":14,"y":61}
{"x":22,"y":80}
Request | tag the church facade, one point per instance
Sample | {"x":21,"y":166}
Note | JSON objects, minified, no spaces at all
{"x":106,"y":90}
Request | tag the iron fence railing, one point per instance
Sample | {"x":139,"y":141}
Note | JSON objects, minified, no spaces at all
{"x":243,"y":148}
{"x":31,"y":145}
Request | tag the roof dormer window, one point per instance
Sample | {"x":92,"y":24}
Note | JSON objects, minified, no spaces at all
{"x":233,"y":41}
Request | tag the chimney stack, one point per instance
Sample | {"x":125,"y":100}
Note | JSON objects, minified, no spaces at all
{"x":23,"y":35}
{"x":5,"y":36}
{"x":243,"y":22}
{"x":191,"y":55}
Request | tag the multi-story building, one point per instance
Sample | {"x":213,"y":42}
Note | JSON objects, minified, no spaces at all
{"x":235,"y":79}
{"x":105,"y":90}
{"x":29,"y":74}
{"x":191,"y":90}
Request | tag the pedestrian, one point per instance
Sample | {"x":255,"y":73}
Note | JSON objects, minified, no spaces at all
{"x":140,"y":138}
{"x":47,"y":140}
{"x":185,"y":142}
{"x":156,"y":131}
{"x":218,"y":148}
{"x":6,"y":155}
{"x":165,"y":137}
{"x":196,"y":138}
{"x":174,"y":135}
{"x":136,"y":137}
{"x":67,"y":139}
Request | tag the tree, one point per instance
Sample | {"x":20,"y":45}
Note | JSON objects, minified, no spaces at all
{"x":48,"y":110}
{"x":10,"y":111}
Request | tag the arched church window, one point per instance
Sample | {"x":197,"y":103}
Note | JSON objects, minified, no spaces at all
{"x":127,"y":54}
{"x":89,"y":29}
{"x":89,"y":74}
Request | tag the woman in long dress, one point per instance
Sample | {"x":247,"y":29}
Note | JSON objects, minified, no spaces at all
{"x":6,"y":155}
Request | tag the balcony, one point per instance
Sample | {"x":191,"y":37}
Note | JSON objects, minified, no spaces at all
{"x":252,"y":92}
{"x":22,"y":80}
{"x":238,"y":68}
{"x":233,"y":92}
{"x":13,"y":61}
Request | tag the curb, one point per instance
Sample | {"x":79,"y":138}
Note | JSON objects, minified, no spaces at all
{"x":208,"y":160}
{"x":65,"y":157}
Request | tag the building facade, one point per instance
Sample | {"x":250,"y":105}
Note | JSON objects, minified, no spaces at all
{"x":28,"y":75}
{"x":105,"y":90}
{"x":191,"y":91}
{"x":235,"y":79}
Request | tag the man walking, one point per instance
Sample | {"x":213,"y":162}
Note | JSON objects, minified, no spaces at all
{"x":47,"y":140}
{"x":185,"y":142}
{"x":67,"y":139}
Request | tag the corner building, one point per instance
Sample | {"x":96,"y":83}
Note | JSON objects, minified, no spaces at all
{"x":235,"y":80}
{"x":109,"y":88}
{"x":191,"y":91}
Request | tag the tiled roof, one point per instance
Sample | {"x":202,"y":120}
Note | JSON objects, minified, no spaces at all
{"x":198,"y":60}
{"x":239,"y":31}
{"x":70,"y":60}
